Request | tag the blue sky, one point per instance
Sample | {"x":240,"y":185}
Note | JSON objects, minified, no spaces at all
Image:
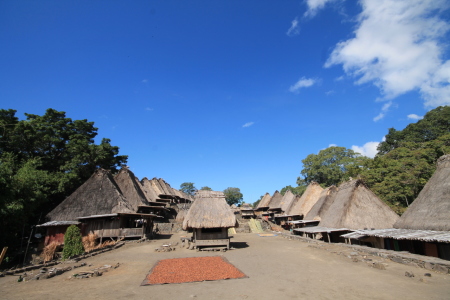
{"x":228,"y":93}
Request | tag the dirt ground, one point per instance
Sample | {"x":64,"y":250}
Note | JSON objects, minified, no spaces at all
{"x":277,"y":268}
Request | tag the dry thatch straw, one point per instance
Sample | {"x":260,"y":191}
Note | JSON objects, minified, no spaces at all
{"x":99,"y":195}
{"x":130,"y":188}
{"x":149,"y":192}
{"x":431,"y":209}
{"x":209,"y":210}
{"x":307,"y":200}
{"x":156,"y":187}
{"x":264,"y":201}
{"x":90,"y":242}
{"x":49,"y":251}
{"x":357,"y":207}
{"x":181,"y":215}
{"x":275,"y":201}
{"x":287,"y":201}
{"x":323,"y":204}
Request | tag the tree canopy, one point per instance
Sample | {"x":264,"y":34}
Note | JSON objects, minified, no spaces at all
{"x":332,"y":165}
{"x":188,"y":188}
{"x":233,"y":195}
{"x":43,"y":159}
{"x":206,"y":188}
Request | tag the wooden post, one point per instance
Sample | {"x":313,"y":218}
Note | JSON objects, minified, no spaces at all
{"x":3,"y":254}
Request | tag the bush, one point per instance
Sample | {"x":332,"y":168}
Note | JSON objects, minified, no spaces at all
{"x":72,"y":242}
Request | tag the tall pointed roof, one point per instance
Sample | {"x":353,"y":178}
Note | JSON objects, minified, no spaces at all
{"x":275,"y":201}
{"x":323,"y":204}
{"x":357,"y":207}
{"x":130,"y":188}
{"x":209,"y":210}
{"x":287,"y":201}
{"x":264,"y":201}
{"x":431,"y":209}
{"x":148,"y":190}
{"x":307,"y":200}
{"x":97,"y":196}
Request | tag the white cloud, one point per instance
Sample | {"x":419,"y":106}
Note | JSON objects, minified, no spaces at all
{"x":314,"y":6}
{"x":399,"y":47}
{"x":332,"y":145}
{"x":302,"y":83}
{"x":383,"y":112}
{"x":330,"y":92}
{"x":369,"y":149}
{"x":294,"y":29}
{"x":248,"y":124}
{"x":149,"y":109}
{"x":414,"y":117}
{"x":144,"y":81}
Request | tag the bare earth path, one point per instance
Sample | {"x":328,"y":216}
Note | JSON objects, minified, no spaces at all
{"x":277,"y":269}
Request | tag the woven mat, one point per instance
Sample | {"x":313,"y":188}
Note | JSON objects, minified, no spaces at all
{"x":191,"y":269}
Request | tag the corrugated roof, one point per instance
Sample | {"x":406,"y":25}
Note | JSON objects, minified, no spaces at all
{"x":317,"y":229}
{"x":403,"y":234}
{"x":58,"y":223}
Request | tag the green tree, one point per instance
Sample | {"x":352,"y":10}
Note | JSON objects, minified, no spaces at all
{"x":73,"y":244}
{"x":330,"y":166}
{"x":206,"y":188}
{"x":255,"y":204}
{"x":398,"y":176}
{"x":188,"y":188}
{"x":43,"y":159}
{"x":298,"y":190}
{"x":434,"y":124}
{"x":233,"y":195}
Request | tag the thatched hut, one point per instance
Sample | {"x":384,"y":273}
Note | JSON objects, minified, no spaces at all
{"x":323,"y":204}
{"x":287,"y":201}
{"x":130,"y":188}
{"x":247,"y":211}
{"x":283,"y":219}
{"x":100,"y":194}
{"x":307,"y":200}
{"x":101,"y":208}
{"x":264,"y":201}
{"x":148,"y":190}
{"x":356,"y":207}
{"x":431,"y":209}
{"x":210,"y":217}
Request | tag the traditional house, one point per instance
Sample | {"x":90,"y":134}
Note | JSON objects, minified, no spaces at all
{"x":284,"y":219}
{"x":322,"y":205}
{"x":307,"y":200}
{"x":97,"y":205}
{"x":275,"y":204}
{"x":354,"y":207}
{"x":246,"y":211}
{"x":209,"y":218}
{"x":424,"y":228}
{"x":263,"y":205}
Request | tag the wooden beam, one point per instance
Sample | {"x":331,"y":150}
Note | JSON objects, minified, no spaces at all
{"x":3,"y":254}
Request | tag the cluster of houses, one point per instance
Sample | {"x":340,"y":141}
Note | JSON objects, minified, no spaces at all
{"x":121,"y":206}
{"x":352,"y":213}
{"x":117,"y":206}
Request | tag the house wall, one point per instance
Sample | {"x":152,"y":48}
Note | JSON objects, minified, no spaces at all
{"x":210,"y":233}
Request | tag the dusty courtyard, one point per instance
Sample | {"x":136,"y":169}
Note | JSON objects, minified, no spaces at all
{"x":277,"y":268}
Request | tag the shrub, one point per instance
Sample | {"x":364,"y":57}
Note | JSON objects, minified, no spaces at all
{"x":72,"y":242}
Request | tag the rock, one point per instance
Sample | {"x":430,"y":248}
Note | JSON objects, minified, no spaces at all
{"x":428,"y":266}
{"x":378,"y":266}
{"x":397,"y":259}
{"x":440,"y":269}
{"x":427,"y":274}
{"x":355,"y":259}
{"x":409,"y":274}
{"x":353,"y":253}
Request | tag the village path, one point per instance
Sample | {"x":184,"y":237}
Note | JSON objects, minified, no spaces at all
{"x":277,"y":268}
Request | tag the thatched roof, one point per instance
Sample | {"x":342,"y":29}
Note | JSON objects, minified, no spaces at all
{"x":287,"y":201}
{"x":357,"y":207}
{"x":431,"y":209}
{"x":264,"y":201}
{"x":98,"y":195}
{"x":323,"y":204}
{"x":148,"y":190}
{"x":131,"y":188}
{"x":209,"y":210}
{"x":307,"y":200}
{"x":275,"y":201}
{"x":165,"y":187}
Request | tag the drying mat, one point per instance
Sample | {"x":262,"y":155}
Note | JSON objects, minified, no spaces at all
{"x":267,"y":234}
{"x":191,"y":269}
